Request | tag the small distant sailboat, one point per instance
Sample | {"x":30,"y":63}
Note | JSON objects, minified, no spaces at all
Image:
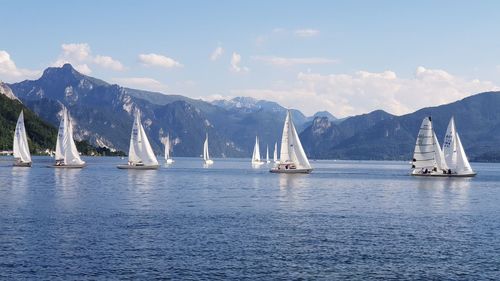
{"x":275,"y":156}
{"x":67,"y":155}
{"x":206,"y":155}
{"x":267,"y":154}
{"x":168,"y":149}
{"x":293,"y":159}
{"x":454,"y":153}
{"x":256,"y":153}
{"x":21,"y":149}
{"x":140,"y":154}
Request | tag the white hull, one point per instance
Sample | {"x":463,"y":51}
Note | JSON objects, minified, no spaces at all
{"x":469,"y":175}
{"x":290,"y":171}
{"x":143,"y":167}
{"x":208,"y":162}
{"x":169,"y":161}
{"x":78,"y":166}
{"x":257,"y":163}
{"x":22,"y":164}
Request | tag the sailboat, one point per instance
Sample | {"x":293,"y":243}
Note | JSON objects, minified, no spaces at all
{"x":140,"y":154}
{"x":267,"y":154}
{"x":293,"y":159}
{"x":206,"y":156}
{"x":428,"y":158}
{"x":67,"y":155}
{"x":22,"y":155}
{"x":454,"y":153}
{"x":168,"y":148}
{"x":275,"y":156}
{"x":256,"y":153}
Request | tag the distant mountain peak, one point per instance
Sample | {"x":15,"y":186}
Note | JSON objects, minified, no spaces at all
{"x":6,"y":91}
{"x":68,"y":75}
{"x":66,"y":69}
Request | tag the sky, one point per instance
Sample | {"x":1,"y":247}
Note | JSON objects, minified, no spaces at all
{"x":347,"y":57}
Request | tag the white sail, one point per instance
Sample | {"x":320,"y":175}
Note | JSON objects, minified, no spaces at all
{"x":463,"y":165}
{"x":267,"y":154}
{"x":454,"y":152}
{"x":60,"y":138}
{"x":438,"y":154}
{"x":20,"y":147}
{"x":167,"y":148}
{"x":256,"y":151}
{"x":450,"y":146}
{"x":291,"y":148}
{"x":71,"y":155}
{"x":275,"y":156}
{"x":66,"y":151}
{"x":206,"y":155}
{"x":424,"y":155}
{"x":140,"y":151}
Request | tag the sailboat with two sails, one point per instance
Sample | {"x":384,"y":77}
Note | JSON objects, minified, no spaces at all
{"x":140,"y":155}
{"x":67,"y":155}
{"x":293,"y":159}
{"x":22,"y":156}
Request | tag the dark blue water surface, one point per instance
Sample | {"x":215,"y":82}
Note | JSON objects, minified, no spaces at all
{"x":346,"y":220}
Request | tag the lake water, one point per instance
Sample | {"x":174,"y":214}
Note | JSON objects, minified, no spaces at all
{"x":346,"y":220}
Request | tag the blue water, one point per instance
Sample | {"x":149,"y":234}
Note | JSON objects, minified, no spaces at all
{"x":346,"y":220}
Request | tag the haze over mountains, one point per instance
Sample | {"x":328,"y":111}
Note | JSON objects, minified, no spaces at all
{"x":103,"y":112}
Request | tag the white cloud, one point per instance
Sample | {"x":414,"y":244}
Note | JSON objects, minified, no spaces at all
{"x":80,"y":56}
{"x":282,"y":61}
{"x":142,"y":83}
{"x":9,"y":72}
{"x":109,"y":62}
{"x":158,"y":60}
{"x":216,"y":53}
{"x":306,"y":32}
{"x":361,"y":92}
{"x":235,"y":63}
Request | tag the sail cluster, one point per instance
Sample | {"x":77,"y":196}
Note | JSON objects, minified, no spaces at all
{"x":429,"y":158}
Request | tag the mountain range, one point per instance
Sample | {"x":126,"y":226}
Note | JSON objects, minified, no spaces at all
{"x":103,"y":115}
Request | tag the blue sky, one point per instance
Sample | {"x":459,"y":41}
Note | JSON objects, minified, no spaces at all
{"x":347,"y":57}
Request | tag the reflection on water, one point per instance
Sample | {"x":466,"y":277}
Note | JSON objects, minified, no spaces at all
{"x":140,"y":187}
{"x":346,"y":220}
{"x":19,"y":183}
{"x":445,"y":193}
{"x":66,"y":184}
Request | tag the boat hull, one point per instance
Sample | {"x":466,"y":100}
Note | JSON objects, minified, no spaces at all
{"x":290,"y":171}
{"x":68,"y":166}
{"x":169,"y":161}
{"x":132,"y":167}
{"x":208,"y":162}
{"x":445,"y":175}
{"x":22,"y":164}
